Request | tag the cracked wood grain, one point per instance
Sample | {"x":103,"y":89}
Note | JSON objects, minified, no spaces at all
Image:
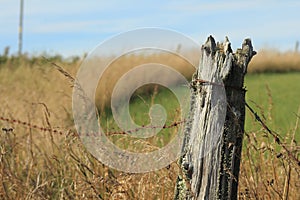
{"x":211,"y":151}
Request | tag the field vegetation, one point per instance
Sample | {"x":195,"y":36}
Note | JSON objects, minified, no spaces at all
{"x":39,"y":164}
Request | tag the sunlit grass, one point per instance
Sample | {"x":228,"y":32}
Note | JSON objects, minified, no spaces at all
{"x":42,"y":165}
{"x":274,"y":61}
{"x":276,"y":97}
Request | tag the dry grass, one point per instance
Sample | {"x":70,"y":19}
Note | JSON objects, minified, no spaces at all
{"x":126,"y":63}
{"x":36,"y":164}
{"x":267,"y":169}
{"x":274,"y":61}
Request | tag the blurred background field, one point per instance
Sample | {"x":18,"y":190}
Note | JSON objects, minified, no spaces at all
{"x":41,"y":165}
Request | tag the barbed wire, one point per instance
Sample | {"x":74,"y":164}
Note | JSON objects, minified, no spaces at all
{"x":56,"y":131}
{"x":205,"y":82}
{"x":165,"y":126}
{"x":29,"y":125}
{"x":273,"y":134}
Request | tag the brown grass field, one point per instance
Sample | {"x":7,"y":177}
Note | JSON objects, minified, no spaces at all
{"x":274,"y":61}
{"x":38,"y":164}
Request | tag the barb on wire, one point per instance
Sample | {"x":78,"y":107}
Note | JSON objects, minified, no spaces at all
{"x":205,"y":82}
{"x":276,"y":137}
{"x":29,"y":125}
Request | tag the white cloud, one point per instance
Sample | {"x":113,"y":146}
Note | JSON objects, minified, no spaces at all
{"x":74,"y":7}
{"x":213,"y":7}
{"x":84,"y":26}
{"x":261,"y":20}
{"x":83,"y":16}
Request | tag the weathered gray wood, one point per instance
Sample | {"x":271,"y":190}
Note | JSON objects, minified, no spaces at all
{"x":213,"y":135}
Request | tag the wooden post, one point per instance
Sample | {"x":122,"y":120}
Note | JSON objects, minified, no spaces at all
{"x":211,"y":152}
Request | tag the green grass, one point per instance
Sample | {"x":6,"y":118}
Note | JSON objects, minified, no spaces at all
{"x":139,"y":108}
{"x":276,"y":97}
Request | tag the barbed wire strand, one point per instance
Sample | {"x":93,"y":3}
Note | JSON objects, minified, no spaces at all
{"x":174,"y":124}
{"x":56,"y":131}
{"x":272,"y":133}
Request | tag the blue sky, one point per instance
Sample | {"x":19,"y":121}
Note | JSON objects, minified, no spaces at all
{"x":77,"y":26}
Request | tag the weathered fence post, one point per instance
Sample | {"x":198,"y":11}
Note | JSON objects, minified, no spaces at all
{"x":212,"y":145}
